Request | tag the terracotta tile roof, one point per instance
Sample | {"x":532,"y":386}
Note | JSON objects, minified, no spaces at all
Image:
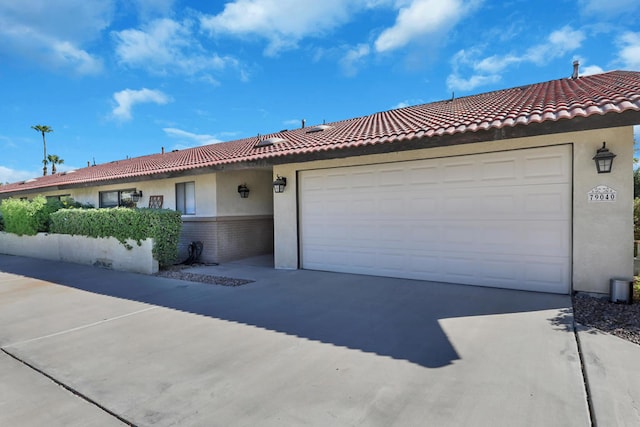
{"x":612,"y":92}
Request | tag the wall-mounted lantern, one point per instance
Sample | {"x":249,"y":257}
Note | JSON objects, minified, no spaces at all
{"x":243,"y":190}
{"x":604,"y":159}
{"x":136,"y":196}
{"x":279,"y":184}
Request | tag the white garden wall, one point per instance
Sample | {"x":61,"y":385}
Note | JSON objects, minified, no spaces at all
{"x":101,"y":252}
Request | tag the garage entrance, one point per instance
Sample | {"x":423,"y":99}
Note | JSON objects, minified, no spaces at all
{"x":496,"y":219}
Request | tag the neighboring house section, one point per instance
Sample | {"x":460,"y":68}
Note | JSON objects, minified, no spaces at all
{"x":229,"y":227}
{"x":497,"y":189}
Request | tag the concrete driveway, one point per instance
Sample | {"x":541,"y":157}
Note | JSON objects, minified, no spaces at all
{"x":291,"y":348}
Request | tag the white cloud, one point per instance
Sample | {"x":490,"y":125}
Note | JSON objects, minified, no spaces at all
{"x":165,"y":46}
{"x":629,"y":54}
{"x":609,"y":8}
{"x":127,"y":98}
{"x":13,"y":175}
{"x":354,"y":58}
{"x":53,"y":34}
{"x":558,"y":44}
{"x":82,"y":61}
{"x":488,"y":70}
{"x":408,"y":103}
{"x":496,"y":63}
{"x":590,"y":70}
{"x":190,"y":138}
{"x":455,"y":82}
{"x":283,"y":23}
{"x":419,"y":18}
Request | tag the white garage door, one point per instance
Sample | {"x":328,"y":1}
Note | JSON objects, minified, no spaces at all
{"x":497,"y":219}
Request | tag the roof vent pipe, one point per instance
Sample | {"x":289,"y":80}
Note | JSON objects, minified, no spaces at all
{"x":576,"y":67}
{"x":88,"y":163}
{"x":303,"y":123}
{"x":162,"y":150}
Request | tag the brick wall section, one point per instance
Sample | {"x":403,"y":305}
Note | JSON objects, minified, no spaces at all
{"x":227,"y":238}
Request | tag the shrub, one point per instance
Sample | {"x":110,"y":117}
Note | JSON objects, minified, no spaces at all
{"x":70,"y":203}
{"x":27,"y":216}
{"x":1,"y":222}
{"x":162,"y":225}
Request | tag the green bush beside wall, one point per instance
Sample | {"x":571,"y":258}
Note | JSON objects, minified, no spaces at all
{"x":27,"y":216}
{"x":162,"y":225}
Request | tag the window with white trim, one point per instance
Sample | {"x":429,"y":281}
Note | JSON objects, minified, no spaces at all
{"x":186,"y":197}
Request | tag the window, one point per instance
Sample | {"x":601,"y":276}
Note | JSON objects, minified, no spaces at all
{"x":186,"y":198}
{"x":112,"y":199}
{"x":58,"y":198}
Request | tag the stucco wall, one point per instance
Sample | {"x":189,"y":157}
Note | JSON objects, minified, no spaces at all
{"x":100,"y":252}
{"x":260,"y":200}
{"x":602,"y":232}
{"x":205,"y":192}
{"x":216,"y":193}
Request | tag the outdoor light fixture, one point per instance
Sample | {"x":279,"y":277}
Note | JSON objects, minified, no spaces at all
{"x":604,"y":159}
{"x":279,"y":184}
{"x":136,"y":196}
{"x":243,"y":190}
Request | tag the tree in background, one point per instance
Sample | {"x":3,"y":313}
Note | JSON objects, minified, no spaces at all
{"x":43,"y":129}
{"x":54,"y":159}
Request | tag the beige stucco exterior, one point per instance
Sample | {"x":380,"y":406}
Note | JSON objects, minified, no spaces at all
{"x":260,"y":200}
{"x":229,"y":227}
{"x":216,"y":193}
{"x":602,"y":232}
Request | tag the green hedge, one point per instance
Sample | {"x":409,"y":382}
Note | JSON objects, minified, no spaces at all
{"x":27,"y":216}
{"x":162,"y":225}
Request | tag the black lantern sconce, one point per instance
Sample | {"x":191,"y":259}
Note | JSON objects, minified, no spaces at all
{"x":604,"y":159}
{"x":279,"y":184}
{"x":243,"y":190}
{"x":136,"y":196}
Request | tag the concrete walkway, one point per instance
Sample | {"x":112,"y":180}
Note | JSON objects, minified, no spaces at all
{"x":291,"y":348}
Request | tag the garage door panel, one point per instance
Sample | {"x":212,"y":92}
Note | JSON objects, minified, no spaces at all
{"x":361,"y":180}
{"x":503,"y":270}
{"x":424,"y":203}
{"x":499,"y":170}
{"x":545,"y":273}
{"x":456,"y":173}
{"x":499,"y":219}
{"x":553,"y":166}
{"x":424,"y":176}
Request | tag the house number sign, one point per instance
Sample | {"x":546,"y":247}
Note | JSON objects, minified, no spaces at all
{"x":601,"y":193}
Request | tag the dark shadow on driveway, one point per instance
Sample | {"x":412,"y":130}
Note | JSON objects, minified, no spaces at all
{"x":389,"y":317}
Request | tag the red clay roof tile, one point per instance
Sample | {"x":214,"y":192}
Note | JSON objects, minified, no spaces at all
{"x":612,"y":92}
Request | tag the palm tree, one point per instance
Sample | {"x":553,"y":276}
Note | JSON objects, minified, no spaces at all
{"x":54,"y":160}
{"x":43,"y":129}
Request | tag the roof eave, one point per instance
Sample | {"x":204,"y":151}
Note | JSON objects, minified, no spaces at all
{"x":575,"y":124}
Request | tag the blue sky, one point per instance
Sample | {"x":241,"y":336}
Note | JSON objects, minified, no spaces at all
{"x":123,"y":78}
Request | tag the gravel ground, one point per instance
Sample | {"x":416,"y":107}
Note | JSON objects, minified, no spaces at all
{"x":177,"y":272}
{"x":621,"y":320}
